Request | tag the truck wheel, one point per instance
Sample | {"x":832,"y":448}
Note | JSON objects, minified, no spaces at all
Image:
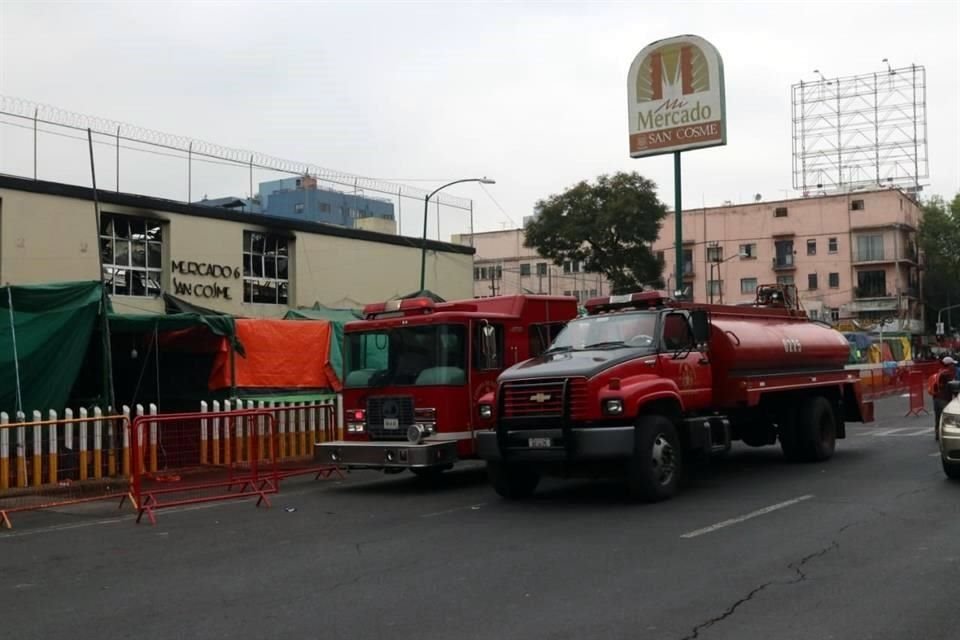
{"x":653,"y":473}
{"x":814,"y":431}
{"x":511,"y":481}
{"x":952,"y":469}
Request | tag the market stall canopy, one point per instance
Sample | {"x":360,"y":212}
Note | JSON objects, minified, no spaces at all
{"x":337,"y":319}
{"x":45,"y":331}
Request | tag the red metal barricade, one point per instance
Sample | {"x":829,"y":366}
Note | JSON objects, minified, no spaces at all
{"x":917,"y":385}
{"x":169,"y":464}
{"x":300,"y":428}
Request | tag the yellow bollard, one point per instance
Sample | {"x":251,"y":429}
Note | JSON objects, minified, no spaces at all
{"x":4,"y":452}
{"x":52,"y":453}
{"x":125,"y":458}
{"x":154,"y":439}
{"x":83,"y":445}
{"x":203,"y":434}
{"x":21,"y":452}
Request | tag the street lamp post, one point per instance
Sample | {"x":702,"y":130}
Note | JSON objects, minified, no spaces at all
{"x":426,"y":202}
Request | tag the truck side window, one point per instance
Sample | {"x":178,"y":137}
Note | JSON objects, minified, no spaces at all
{"x":487,"y":346}
{"x":677,"y":334}
{"x":542,"y":335}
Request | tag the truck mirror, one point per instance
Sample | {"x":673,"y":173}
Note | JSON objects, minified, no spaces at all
{"x":954,"y":386}
{"x":700,"y":321}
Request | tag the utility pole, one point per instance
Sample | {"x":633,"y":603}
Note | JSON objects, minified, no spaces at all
{"x":493,"y":281}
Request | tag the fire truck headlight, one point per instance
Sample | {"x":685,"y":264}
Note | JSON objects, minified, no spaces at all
{"x":613,"y":406}
{"x":415,"y":434}
{"x":486,"y":411}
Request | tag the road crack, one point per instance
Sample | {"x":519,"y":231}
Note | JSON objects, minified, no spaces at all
{"x":800,"y":576}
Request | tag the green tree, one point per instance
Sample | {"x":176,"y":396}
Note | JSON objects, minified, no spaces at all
{"x":939,"y":240}
{"x":608,"y":225}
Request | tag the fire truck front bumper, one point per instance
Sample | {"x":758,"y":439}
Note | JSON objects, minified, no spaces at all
{"x":381,"y":455}
{"x":548,"y":445}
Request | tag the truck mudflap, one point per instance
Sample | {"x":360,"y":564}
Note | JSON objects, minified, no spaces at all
{"x":379,"y":455}
{"x":591,"y":443}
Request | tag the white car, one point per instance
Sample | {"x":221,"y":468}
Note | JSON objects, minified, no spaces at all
{"x":950,"y":434}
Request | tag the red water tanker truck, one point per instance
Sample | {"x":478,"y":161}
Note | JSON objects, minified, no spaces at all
{"x":644,"y":383}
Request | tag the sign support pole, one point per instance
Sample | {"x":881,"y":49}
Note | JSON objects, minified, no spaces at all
{"x":677,"y":220}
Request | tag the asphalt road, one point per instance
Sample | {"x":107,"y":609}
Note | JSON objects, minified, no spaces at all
{"x":864,"y":546}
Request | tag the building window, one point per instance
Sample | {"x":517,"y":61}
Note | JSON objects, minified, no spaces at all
{"x":567,"y":267}
{"x":834,"y":314}
{"x":748,"y":251}
{"x":541,"y":268}
{"x":834,"y":280}
{"x":525,"y":269}
{"x":566,"y":293}
{"x":811,"y":247}
{"x":661,"y":258}
{"x":748,"y":285}
{"x":856,"y":205}
{"x":869,"y":248}
{"x":831,"y":245}
{"x":298,"y":207}
{"x":785,"y":280}
{"x":715,"y":254}
{"x":132,"y":251}
{"x":324,"y":207}
{"x":266,"y":277}
{"x":871,"y":284}
{"x":780,"y":212}
{"x":813,"y":314}
{"x":811,"y":281}
{"x":476,"y":273}
{"x":687,"y":262}
{"x":784,"y":253}
{"x":593,"y":293}
{"x":499,"y":272}
{"x":714,"y":287}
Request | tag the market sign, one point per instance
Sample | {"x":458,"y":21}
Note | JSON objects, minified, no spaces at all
{"x":675,"y":97}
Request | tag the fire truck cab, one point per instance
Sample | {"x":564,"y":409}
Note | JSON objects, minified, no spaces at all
{"x":415,"y":370}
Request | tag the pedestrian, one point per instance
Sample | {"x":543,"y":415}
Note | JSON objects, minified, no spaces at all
{"x":939,"y":388}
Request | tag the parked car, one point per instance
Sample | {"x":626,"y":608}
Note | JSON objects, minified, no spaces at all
{"x":949,"y":434}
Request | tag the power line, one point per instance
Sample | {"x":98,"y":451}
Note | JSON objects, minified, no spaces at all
{"x":494,"y":200}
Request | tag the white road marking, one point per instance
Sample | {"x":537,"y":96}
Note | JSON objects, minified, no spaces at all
{"x":935,"y":455}
{"x":748,"y":516}
{"x":916,"y":432}
{"x":887,"y":432}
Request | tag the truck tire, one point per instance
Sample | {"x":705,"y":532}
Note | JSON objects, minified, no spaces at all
{"x":512,"y":482}
{"x":653,"y":473}
{"x":812,"y":435}
{"x":951,"y":469}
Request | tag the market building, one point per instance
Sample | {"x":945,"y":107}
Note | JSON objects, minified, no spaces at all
{"x":232,"y":261}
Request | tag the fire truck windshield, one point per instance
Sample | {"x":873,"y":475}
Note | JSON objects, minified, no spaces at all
{"x":635,"y":330}
{"x":410,"y":355}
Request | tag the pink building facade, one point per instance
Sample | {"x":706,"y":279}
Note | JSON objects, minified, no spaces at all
{"x":852,"y":257}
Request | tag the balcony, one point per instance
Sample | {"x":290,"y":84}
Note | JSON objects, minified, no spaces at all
{"x":885,"y":256}
{"x":871,"y":293}
{"x":784,"y":263}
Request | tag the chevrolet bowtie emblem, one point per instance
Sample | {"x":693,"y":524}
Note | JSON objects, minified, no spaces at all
{"x":540,"y":397}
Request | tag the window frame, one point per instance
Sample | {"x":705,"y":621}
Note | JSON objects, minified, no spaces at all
{"x":833,"y":277}
{"x":756,"y":283}
{"x":812,"y":282}
{"x":280,"y":285}
{"x":812,"y":247}
{"x":834,"y":243}
{"x":151,"y":246}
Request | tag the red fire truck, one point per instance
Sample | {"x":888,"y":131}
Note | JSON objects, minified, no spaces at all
{"x":415,"y":370}
{"x":644,"y":382}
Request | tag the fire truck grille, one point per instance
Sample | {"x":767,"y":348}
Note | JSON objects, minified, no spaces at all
{"x":533,"y":399}
{"x":388,"y":417}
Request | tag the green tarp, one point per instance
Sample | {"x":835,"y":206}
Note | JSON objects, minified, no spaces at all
{"x":337,"y":319}
{"x":52,"y":325}
{"x":220,"y":325}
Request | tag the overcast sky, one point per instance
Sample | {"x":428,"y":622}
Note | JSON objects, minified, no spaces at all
{"x":531,"y":94}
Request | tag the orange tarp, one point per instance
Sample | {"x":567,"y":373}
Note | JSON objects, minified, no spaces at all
{"x":280,"y":354}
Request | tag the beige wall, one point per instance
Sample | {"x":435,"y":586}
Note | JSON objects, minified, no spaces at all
{"x":45,"y":238}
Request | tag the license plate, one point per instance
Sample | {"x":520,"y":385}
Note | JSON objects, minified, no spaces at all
{"x":391,"y":423}
{"x":539,"y":443}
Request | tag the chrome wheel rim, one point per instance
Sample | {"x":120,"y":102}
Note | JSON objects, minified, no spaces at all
{"x":664,"y":460}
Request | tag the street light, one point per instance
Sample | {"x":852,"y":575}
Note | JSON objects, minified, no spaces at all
{"x":426,"y":202}
{"x":717,"y":263}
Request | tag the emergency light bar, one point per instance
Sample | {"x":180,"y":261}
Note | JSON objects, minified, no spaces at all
{"x":396,"y":308}
{"x":639,"y":300}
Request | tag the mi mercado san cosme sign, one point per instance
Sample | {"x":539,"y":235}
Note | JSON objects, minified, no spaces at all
{"x":675,"y":103}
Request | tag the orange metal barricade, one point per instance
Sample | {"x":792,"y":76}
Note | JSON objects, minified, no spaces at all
{"x":917,"y":390}
{"x":168,"y":467}
{"x":58,"y":462}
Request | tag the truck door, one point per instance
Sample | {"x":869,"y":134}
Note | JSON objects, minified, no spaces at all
{"x":681,"y":361}
{"x":486,"y":362}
